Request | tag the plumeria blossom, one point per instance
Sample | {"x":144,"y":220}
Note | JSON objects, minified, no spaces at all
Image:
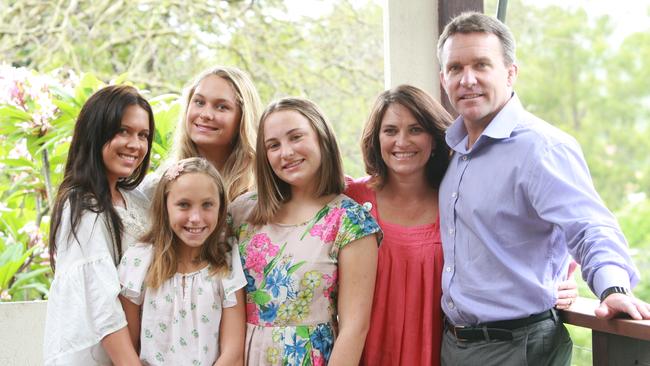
{"x":31,"y":93}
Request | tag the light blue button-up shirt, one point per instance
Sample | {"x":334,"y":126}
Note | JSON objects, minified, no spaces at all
{"x":512,"y":209}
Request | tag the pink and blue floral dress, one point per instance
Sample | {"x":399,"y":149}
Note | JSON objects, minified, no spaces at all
{"x":291,"y":273}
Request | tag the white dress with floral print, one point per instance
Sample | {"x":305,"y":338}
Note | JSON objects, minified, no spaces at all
{"x":292,"y":285}
{"x":180,"y":319}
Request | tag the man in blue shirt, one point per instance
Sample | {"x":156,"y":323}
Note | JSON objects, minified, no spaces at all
{"x":515,"y":203}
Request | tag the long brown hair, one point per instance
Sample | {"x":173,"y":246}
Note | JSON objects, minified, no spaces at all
{"x":271,"y":190}
{"x":238,"y":170}
{"x":85,"y":184}
{"x":165,"y":242}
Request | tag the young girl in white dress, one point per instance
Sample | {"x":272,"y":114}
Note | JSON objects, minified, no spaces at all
{"x":96,"y":215}
{"x":182,"y":288}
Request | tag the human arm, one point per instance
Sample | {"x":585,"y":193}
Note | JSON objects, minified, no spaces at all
{"x":562,"y":193}
{"x":232,"y":332}
{"x":132,"y":313}
{"x":119,"y":348}
{"x":132,"y":272}
{"x":86,"y":282}
{"x":357,"y":268}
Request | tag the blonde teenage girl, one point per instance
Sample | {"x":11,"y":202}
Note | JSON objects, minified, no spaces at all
{"x":309,"y":252}
{"x":183,"y":286}
{"x":219,"y":124}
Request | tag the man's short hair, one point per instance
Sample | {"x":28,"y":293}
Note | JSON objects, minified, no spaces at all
{"x":473,"y":22}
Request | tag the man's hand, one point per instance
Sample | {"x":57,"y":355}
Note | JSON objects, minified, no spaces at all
{"x":567,"y":292}
{"x":620,"y":303}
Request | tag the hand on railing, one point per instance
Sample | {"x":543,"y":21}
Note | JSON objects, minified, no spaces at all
{"x":620,"y":303}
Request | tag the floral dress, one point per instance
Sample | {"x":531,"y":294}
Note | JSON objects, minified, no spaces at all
{"x":181,"y":318}
{"x":291,"y":270}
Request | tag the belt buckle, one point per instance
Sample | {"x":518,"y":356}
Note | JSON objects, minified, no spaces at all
{"x":455,"y":330}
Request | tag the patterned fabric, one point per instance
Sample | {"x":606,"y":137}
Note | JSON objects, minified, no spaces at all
{"x":180,"y":320}
{"x":291,"y":273}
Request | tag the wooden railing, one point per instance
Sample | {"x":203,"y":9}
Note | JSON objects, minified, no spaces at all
{"x":614,"y":342}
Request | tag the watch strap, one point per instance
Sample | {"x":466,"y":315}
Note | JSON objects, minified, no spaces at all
{"x":614,"y":290}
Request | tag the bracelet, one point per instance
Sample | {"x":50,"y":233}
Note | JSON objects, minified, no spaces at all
{"x":614,"y":290}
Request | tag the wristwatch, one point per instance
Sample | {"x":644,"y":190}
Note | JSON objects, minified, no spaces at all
{"x":614,"y":290}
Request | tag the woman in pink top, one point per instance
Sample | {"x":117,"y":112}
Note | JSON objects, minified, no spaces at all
{"x":406,"y":156}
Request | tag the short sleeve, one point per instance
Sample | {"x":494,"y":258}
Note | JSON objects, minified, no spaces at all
{"x":148,"y":185}
{"x":83,"y":306}
{"x":356,"y":223}
{"x":133,"y":270}
{"x":235,"y":281}
{"x":360,"y":191}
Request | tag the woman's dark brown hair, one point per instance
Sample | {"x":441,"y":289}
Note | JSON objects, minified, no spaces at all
{"x":85,"y":184}
{"x":429,"y":114}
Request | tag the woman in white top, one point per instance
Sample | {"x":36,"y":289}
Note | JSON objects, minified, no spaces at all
{"x":95,"y":217}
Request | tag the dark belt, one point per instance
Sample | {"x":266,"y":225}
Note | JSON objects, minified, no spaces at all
{"x":501,"y":330}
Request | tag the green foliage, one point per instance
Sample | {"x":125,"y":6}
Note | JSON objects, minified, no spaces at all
{"x":37,"y":116}
{"x":568,"y":75}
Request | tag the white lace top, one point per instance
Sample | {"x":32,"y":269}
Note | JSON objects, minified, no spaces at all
{"x":83,"y":306}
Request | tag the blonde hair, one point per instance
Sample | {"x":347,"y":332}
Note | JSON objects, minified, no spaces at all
{"x":163,"y":239}
{"x":237,"y":171}
{"x":271,"y":190}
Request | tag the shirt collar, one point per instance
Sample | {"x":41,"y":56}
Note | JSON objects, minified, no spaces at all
{"x":500,"y":127}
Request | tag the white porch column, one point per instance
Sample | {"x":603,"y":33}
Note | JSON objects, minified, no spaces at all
{"x":410,"y":38}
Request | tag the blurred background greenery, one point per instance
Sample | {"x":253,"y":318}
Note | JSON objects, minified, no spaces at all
{"x":577,"y":71}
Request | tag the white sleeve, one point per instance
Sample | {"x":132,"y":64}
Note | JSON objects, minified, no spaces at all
{"x":83,"y":306}
{"x":148,"y":185}
{"x":133,"y":270}
{"x":234,"y":281}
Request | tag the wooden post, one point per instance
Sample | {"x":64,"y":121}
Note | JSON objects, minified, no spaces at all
{"x":447,"y":10}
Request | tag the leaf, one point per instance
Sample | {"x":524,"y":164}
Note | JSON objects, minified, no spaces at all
{"x":319,"y":215}
{"x":260,"y":297}
{"x":24,"y":278}
{"x":10,"y":115}
{"x":18,"y":163}
{"x":121,"y":79}
{"x":302,"y":331}
{"x":10,"y":262}
{"x":295,"y":267}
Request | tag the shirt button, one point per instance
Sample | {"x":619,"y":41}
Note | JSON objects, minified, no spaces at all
{"x":464,"y":158}
{"x":448,"y":269}
{"x":453,"y":195}
{"x":451,"y":231}
{"x":451,"y":305}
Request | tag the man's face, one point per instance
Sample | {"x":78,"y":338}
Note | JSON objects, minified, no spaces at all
{"x":474,"y":76}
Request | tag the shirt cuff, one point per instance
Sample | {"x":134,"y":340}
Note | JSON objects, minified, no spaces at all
{"x":609,"y":276}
